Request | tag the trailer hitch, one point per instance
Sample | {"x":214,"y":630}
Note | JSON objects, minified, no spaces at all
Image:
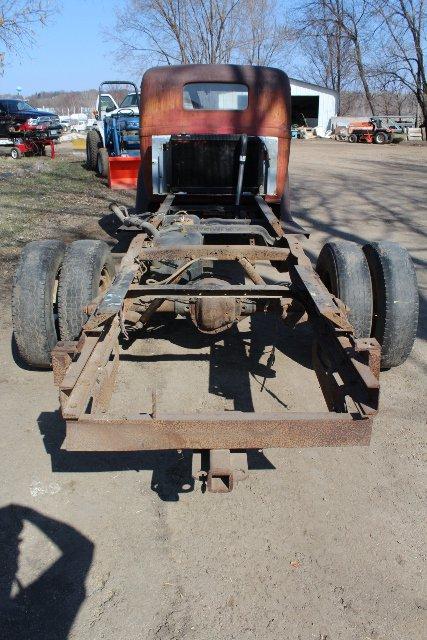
{"x":223,"y":469}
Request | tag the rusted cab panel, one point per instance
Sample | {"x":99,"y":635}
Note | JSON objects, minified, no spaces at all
{"x":267,"y":113}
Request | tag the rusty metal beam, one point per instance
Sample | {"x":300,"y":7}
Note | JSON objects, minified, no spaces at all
{"x":76,"y":367}
{"x":268,"y":214}
{"x":213,"y":252}
{"x":74,"y":404}
{"x":316,"y":297}
{"x":222,"y":430}
{"x":207,"y":289}
{"x":62,"y":355}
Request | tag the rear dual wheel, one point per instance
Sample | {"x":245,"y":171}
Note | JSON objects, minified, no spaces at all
{"x":87,"y":270}
{"x":35,"y":301}
{"x":342,"y":267}
{"x":53,"y":283}
{"x":378,"y":284}
{"x":395,"y":300}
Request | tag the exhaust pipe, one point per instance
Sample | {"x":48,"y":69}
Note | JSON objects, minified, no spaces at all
{"x":242,"y":161}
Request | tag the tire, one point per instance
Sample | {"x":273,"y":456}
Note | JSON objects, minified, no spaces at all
{"x":344,"y":270}
{"x":395,"y":297}
{"x":352,"y":137}
{"x":15,"y":153}
{"x":102,"y":165}
{"x":34,"y":301}
{"x":93,"y":144}
{"x":380,"y":138}
{"x":88,"y":269}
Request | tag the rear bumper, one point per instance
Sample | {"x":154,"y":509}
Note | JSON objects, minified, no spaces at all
{"x":216,"y":431}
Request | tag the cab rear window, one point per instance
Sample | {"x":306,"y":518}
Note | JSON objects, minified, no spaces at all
{"x":215,"y":96}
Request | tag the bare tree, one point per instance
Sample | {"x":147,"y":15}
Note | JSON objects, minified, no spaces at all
{"x":199,"y":31}
{"x":326,"y":48}
{"x":391,"y":96}
{"x":403,"y":24}
{"x":18,"y":22}
{"x":263,"y":39}
{"x":345,"y":26}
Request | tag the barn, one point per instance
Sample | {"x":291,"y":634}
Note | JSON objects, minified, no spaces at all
{"x":316,"y":104}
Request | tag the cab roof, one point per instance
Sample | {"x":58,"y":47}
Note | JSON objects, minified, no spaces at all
{"x":267,"y":112}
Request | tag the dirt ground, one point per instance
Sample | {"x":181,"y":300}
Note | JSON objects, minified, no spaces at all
{"x":317,"y":544}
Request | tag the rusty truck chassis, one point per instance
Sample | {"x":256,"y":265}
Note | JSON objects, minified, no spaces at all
{"x":347,"y":368}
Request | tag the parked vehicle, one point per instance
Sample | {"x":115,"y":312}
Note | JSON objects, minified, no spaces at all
{"x":65,"y":123}
{"x":131,"y":103}
{"x":26,"y":130}
{"x":374,"y":130}
{"x":212,"y":203}
{"x":112,"y":145}
{"x":14,"y":113}
{"x":78,"y":122}
{"x":20,"y":111}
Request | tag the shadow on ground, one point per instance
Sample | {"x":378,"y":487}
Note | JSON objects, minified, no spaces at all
{"x":46,"y":608}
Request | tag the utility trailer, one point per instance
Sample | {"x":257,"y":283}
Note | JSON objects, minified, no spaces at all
{"x":213,"y":192}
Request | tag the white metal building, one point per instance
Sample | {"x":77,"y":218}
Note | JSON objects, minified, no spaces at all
{"x":317,"y":104}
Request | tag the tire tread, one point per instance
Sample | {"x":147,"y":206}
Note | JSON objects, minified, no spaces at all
{"x":396,"y":302}
{"x":32,"y":317}
{"x":93,"y":144}
{"x":348,"y":270}
{"x":78,"y":284}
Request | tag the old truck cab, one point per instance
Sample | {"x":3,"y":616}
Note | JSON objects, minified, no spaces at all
{"x":199,"y":121}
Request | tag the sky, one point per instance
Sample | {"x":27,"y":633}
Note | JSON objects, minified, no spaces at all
{"x":70,"y":53}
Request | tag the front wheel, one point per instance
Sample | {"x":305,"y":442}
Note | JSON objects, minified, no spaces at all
{"x":102,"y":164}
{"x":352,"y":137}
{"x":93,"y":144}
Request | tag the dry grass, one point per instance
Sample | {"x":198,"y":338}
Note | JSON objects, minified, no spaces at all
{"x":44,"y":198}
